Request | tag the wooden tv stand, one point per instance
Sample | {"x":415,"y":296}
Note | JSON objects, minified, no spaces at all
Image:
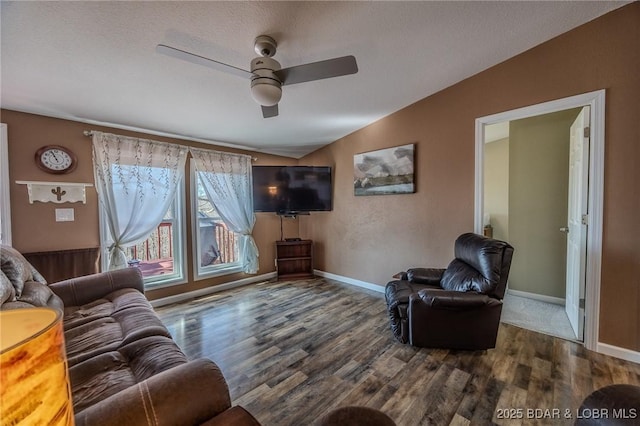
{"x":294,"y":259}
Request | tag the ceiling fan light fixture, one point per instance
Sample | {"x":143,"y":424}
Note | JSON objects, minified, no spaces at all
{"x":265,"y":86}
{"x":265,"y":92}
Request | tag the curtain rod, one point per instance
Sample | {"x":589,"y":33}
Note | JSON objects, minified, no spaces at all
{"x":90,"y":133}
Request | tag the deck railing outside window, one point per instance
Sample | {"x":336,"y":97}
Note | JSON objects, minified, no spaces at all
{"x":217,"y":243}
{"x":154,"y":256}
{"x":158,"y":246}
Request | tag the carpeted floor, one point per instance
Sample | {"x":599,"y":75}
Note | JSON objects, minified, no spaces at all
{"x":535,"y":315}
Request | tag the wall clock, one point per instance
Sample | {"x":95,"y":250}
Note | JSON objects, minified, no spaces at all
{"x":56,"y":159}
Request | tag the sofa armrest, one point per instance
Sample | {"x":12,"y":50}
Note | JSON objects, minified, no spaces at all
{"x":234,"y":416}
{"x":430,"y":276}
{"x":82,"y":290}
{"x":189,"y":394}
{"x":450,"y":299}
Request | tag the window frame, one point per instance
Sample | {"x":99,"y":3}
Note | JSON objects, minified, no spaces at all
{"x":210,"y":271}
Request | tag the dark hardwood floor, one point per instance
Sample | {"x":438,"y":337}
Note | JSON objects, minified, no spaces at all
{"x":293,"y":350}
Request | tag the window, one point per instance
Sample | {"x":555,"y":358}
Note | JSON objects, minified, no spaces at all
{"x":140,"y":185}
{"x":161,"y":256}
{"x":216,"y":248}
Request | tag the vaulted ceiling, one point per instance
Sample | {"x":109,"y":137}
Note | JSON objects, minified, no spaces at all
{"x":96,"y":61}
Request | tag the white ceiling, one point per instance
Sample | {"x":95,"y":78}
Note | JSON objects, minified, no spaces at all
{"x":96,"y":61}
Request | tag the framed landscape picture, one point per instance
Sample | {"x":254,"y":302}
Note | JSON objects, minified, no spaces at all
{"x":386,"y":171}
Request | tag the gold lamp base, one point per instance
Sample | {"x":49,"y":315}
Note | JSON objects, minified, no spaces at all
{"x":33,"y":368}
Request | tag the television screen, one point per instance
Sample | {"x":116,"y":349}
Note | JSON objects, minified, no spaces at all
{"x":291,"y":189}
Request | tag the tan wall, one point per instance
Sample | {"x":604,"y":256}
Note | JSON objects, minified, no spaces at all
{"x":538,"y":191}
{"x":496,"y":187}
{"x":370,"y":238}
{"x":34,"y":227}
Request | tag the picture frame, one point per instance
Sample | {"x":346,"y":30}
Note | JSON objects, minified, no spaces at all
{"x":384,"y":171}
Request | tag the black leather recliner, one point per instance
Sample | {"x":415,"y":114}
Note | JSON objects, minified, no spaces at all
{"x":458,"y":307}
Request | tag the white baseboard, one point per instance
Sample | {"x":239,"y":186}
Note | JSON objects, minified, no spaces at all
{"x":347,"y":280}
{"x":535,"y":296}
{"x":618,"y":352}
{"x":210,"y":290}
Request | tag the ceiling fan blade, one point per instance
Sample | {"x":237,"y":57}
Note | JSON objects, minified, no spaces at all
{"x":201,"y":60}
{"x":318,"y":70}
{"x":270,"y":111}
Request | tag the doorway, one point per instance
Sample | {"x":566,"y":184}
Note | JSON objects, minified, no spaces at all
{"x":527,"y":192}
{"x":593,"y":198}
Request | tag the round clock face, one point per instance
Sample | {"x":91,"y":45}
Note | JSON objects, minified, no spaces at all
{"x":55,"y":159}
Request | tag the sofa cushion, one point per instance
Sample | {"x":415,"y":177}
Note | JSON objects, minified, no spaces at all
{"x":96,"y":378}
{"x":7,"y":292}
{"x":107,"y":324}
{"x":21,"y":286}
{"x":17,"y":269}
{"x":40,"y":295}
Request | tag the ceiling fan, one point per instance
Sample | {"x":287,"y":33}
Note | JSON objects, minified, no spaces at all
{"x":266,"y":75}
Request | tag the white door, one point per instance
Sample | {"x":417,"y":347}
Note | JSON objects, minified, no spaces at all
{"x":577,"y":220}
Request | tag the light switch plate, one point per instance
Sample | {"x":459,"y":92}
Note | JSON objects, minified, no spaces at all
{"x":65,"y":215}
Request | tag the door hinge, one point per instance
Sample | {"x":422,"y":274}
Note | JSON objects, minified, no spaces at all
{"x":585,"y":219}
{"x":587,"y":132}
{"x":581,"y":303}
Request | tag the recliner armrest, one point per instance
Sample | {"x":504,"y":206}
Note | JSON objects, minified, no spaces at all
{"x":431,"y":276}
{"x":400,"y":276}
{"x":189,"y":394}
{"x":451,"y":299}
{"x":82,"y":290}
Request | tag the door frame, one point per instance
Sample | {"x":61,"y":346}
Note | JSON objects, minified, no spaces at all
{"x":5,"y":184}
{"x":596,"y":100}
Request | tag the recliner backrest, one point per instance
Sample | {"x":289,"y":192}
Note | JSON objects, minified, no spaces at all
{"x":482,"y":264}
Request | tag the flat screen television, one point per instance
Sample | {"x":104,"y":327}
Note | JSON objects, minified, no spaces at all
{"x":291,"y":189}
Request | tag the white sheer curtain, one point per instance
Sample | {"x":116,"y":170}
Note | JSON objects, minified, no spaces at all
{"x":226,"y":179}
{"x":136,"y":180}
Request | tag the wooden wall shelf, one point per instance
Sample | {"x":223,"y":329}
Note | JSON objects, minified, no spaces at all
{"x":56,"y":192}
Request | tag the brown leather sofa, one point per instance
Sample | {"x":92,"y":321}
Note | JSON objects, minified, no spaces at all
{"x":124,"y":367}
{"x":458,"y":307}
